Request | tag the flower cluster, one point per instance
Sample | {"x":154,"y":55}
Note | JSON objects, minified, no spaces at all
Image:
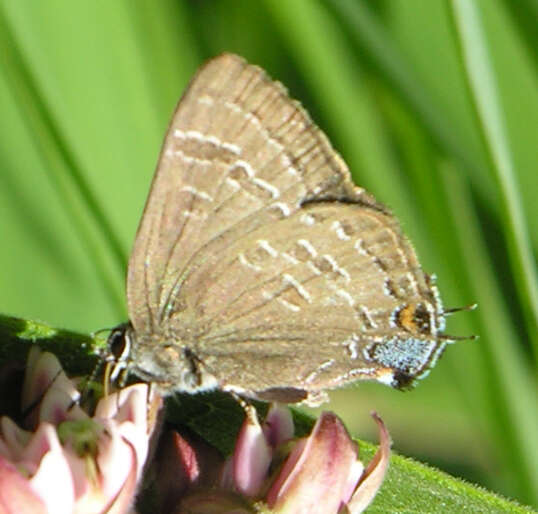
{"x":66,"y":461}
{"x":270,"y":471}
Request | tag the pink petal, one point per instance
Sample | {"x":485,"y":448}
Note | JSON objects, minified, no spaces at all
{"x":44,"y":440}
{"x":53,"y":482}
{"x":138,"y":438}
{"x":374,"y":473}
{"x":43,"y":372}
{"x":128,"y":404}
{"x":31,"y":391}
{"x":16,"y":495}
{"x":134,"y":402}
{"x":287,"y":469}
{"x":115,"y":458}
{"x":315,"y":477}
{"x":278,"y":425}
{"x":82,"y":483}
{"x":126,"y":495}
{"x":129,"y":410}
{"x":14,"y":439}
{"x":355,"y":473}
{"x":57,"y":406}
{"x":252,"y":456}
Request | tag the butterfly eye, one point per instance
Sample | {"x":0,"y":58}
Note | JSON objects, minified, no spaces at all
{"x":119,"y":344}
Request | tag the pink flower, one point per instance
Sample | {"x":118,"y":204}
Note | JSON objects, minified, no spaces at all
{"x":69,"y":462}
{"x":320,"y":473}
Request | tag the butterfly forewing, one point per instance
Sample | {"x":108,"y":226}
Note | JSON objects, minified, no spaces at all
{"x":254,"y":241}
{"x":237,"y":151}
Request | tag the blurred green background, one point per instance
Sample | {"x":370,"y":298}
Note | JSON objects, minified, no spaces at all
{"x":433,"y":105}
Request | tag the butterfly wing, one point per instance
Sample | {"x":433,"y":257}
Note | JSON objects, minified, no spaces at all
{"x":238,"y":152}
{"x":254,"y":241}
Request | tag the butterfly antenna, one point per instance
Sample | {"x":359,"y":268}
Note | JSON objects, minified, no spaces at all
{"x":100,"y":331}
{"x":470,"y":307}
{"x":446,"y":337}
{"x":90,"y":379}
{"x":103,"y":358}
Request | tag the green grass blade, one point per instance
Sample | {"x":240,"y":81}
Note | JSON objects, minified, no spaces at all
{"x":513,"y":384}
{"x":375,"y":42}
{"x":60,"y":162}
{"x":332,"y":74}
{"x":484,"y":96}
{"x":524,"y":14}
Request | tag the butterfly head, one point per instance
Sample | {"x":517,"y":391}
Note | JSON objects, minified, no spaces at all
{"x":171,"y":366}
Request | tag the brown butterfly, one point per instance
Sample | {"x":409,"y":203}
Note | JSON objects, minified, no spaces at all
{"x":259,"y":268}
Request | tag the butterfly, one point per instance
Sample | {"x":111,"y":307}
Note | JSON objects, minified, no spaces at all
{"x":259,"y":268}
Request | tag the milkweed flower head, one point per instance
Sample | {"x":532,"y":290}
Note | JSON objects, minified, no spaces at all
{"x":64,"y":460}
{"x":271,"y":471}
